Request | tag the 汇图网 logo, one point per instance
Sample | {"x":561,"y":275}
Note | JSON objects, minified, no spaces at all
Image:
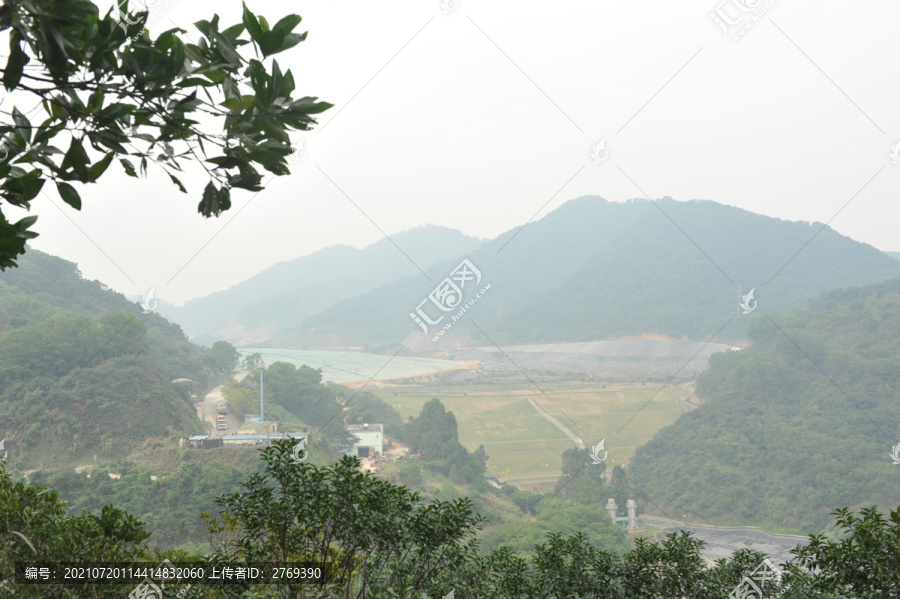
{"x":148,"y":302}
{"x":763,"y":582}
{"x":595,"y":452}
{"x":746,"y":304}
{"x":448,"y":297}
{"x":599,"y":153}
{"x":736,"y":17}
{"x":895,"y":453}
{"x":295,"y":454}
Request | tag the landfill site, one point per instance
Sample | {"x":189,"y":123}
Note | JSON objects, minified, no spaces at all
{"x":614,"y":360}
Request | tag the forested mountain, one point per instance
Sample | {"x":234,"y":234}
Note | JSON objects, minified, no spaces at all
{"x":275,"y":300}
{"x":83,"y":370}
{"x":593,"y":269}
{"x":799,"y":423}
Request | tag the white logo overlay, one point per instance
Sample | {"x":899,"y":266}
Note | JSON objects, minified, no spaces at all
{"x":599,"y":153}
{"x":142,"y":6}
{"x":299,"y":153}
{"x":148,"y":303}
{"x":165,"y":571}
{"x":450,"y":595}
{"x":736,"y":17}
{"x":745,"y":303}
{"x":895,"y":452}
{"x":448,"y":297}
{"x":766,"y":575}
{"x":295,"y":454}
{"x":895,"y":153}
{"x":595,"y":452}
{"x":448,"y":6}
{"x":3,"y":452}
{"x":4,"y":150}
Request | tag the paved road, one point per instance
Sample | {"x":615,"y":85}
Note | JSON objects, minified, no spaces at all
{"x":722,"y":542}
{"x":556,"y":423}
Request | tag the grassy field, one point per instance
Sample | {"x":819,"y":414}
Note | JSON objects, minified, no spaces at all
{"x":522,"y":443}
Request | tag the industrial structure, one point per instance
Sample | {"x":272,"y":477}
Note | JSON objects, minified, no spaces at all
{"x":257,"y":428}
{"x":628,"y":522}
{"x":370,"y":439}
{"x":240,"y":439}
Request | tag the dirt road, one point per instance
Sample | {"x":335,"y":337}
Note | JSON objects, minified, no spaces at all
{"x":557,"y":423}
{"x":206,"y":410}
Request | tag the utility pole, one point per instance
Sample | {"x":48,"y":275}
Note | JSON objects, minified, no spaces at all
{"x":262,"y":367}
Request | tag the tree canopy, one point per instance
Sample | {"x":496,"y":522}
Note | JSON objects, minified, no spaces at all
{"x":380,"y":540}
{"x":107,"y":91}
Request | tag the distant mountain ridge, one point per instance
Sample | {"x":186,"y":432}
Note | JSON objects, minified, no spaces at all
{"x":593,"y":269}
{"x":280,"y":297}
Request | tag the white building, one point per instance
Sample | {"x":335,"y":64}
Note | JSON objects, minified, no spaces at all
{"x":371,"y":439}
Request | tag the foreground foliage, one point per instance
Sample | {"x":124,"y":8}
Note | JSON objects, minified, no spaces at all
{"x":105,"y":86}
{"x":380,"y":540}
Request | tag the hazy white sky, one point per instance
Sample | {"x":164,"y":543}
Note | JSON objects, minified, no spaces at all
{"x":483,"y":116}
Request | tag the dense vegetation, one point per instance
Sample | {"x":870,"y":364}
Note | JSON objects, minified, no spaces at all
{"x":593,"y":269}
{"x":801,"y":421}
{"x":43,"y":286}
{"x":434,"y":434}
{"x":291,"y":395}
{"x":382,"y":540}
{"x":84,"y":371}
{"x":168,"y":504}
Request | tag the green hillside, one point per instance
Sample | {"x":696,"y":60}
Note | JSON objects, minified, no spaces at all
{"x":798,"y":424}
{"x":594,"y":269}
{"x":84,"y":371}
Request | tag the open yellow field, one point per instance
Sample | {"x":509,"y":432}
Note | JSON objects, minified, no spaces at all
{"x":520,"y":442}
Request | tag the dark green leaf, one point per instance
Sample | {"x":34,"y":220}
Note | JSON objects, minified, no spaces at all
{"x":233,"y":32}
{"x":252,"y":25}
{"x":95,"y":102}
{"x":310,"y":106}
{"x":129,"y":168}
{"x":23,"y":126}
{"x":209,"y":205}
{"x":14,"y":67}
{"x":22,"y":187}
{"x":271,"y":42}
{"x":290,"y":40}
{"x":177,"y":182}
{"x":77,"y":159}
{"x":98,"y":168}
{"x":287,"y":24}
{"x":224,"y":197}
{"x":69,"y":195}
{"x":277,"y":80}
